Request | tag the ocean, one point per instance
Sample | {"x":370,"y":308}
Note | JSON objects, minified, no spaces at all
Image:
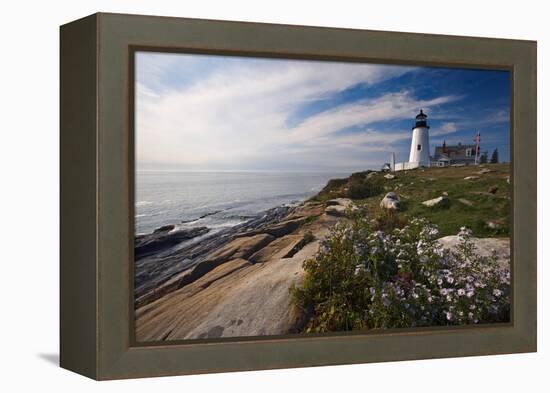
{"x":217,"y":199}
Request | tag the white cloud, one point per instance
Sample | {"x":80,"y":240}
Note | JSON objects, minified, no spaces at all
{"x":445,"y":128}
{"x":237,"y":117}
{"x":388,"y":107}
{"x":474,"y":125}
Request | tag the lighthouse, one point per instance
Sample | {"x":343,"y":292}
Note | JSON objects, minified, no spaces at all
{"x":420,"y":143}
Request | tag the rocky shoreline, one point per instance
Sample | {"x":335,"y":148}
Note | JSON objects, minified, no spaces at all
{"x":159,"y":256}
{"x":232,"y":283}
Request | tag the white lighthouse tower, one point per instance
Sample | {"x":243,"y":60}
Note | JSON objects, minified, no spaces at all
{"x":420,"y":143}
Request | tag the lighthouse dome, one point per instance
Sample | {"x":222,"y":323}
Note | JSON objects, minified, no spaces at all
{"x":421,"y":115}
{"x":421,"y":120}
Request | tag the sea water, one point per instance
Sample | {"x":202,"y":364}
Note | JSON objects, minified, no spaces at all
{"x":217,"y":199}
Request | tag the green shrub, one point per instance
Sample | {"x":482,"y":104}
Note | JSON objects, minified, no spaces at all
{"x":388,"y":220}
{"x":364,"y":188}
{"x":356,"y":186}
{"x":333,"y":189}
{"x":365,"y":279}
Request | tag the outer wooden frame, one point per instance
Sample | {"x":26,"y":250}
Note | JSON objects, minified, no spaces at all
{"x":96,"y":195}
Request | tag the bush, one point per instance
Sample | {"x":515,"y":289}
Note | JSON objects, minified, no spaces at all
{"x":364,"y":188}
{"x":366,"y":279}
{"x":356,"y":186}
{"x":333,"y":189}
{"x":388,"y":220}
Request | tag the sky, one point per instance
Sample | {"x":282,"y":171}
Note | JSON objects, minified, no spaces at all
{"x":229,"y":113}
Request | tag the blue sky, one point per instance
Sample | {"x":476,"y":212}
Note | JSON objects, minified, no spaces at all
{"x":201,"y":112}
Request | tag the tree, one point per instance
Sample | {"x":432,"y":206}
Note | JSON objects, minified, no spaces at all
{"x":494,"y":157}
{"x":483,"y":158}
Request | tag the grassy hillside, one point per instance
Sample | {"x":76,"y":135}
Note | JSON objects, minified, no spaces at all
{"x":481,"y":203}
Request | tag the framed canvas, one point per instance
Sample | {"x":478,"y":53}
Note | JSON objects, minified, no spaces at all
{"x":242,"y":196}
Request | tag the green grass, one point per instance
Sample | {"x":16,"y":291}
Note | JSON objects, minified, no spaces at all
{"x":418,"y":185}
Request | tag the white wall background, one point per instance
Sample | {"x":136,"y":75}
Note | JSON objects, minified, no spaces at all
{"x":29,"y":193}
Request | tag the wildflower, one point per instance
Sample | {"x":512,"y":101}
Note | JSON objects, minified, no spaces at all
{"x":433,"y":232}
{"x":464,"y":232}
{"x":324,"y":249}
{"x":420,"y":247}
{"x":413,"y":270}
